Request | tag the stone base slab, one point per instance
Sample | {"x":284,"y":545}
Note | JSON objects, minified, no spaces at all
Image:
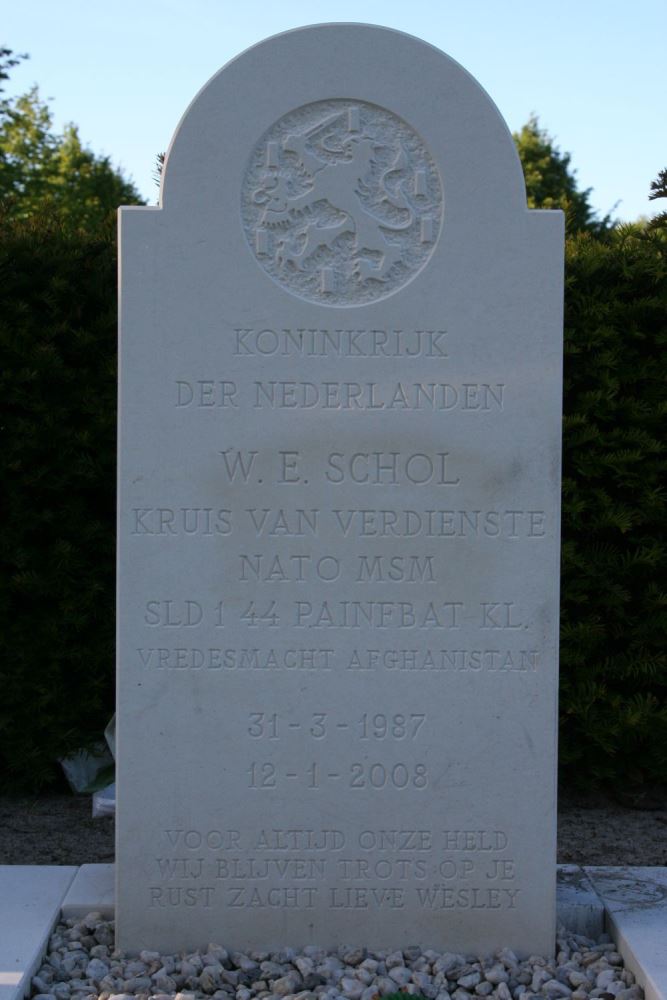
{"x":92,"y":890}
{"x":579,"y":908}
{"x":635,"y":902}
{"x":30,"y":901}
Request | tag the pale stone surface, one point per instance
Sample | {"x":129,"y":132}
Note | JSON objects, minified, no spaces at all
{"x":635,"y":900}
{"x":30,"y":899}
{"x":578,"y":906}
{"x":91,"y":891}
{"x":338,"y":519}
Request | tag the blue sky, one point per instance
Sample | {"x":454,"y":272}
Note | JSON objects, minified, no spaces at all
{"x":594,"y":71}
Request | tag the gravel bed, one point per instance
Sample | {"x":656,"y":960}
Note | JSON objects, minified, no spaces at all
{"x":82,"y":964}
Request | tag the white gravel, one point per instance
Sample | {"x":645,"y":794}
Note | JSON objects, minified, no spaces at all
{"x":82,"y":964}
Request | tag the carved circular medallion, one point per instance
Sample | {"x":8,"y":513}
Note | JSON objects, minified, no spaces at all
{"x":342,"y":202}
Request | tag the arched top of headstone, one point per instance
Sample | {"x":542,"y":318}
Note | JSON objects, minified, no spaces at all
{"x":333,"y":90}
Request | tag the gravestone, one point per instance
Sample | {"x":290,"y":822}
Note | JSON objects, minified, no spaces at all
{"x":339,"y":514}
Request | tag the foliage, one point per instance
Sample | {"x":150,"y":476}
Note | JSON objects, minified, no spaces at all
{"x":550,"y":183}
{"x":45,"y":172}
{"x":613,"y":614}
{"x":659,"y":190}
{"x":58,"y":385}
{"x":7,"y":61}
{"x":159,"y":168}
{"x":57,"y":371}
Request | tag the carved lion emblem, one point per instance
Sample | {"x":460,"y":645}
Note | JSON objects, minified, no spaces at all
{"x":342,"y":202}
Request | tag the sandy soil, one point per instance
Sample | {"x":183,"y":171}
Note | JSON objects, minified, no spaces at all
{"x":60,"y":830}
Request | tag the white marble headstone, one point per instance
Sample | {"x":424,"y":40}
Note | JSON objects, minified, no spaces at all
{"x":339,"y":514}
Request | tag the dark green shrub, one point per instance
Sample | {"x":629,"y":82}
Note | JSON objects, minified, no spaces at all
{"x":57,"y":349}
{"x":613,"y":678}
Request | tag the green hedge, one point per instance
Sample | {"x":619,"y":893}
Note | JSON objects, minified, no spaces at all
{"x":58,"y":351}
{"x":57,"y":540}
{"x":613,"y":614}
